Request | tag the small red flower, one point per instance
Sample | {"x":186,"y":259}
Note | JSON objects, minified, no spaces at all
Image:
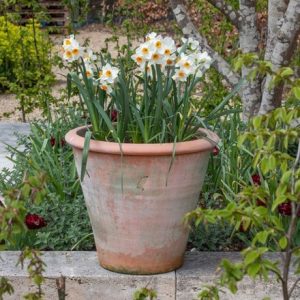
{"x":261,"y":202}
{"x":114,"y":115}
{"x":285,"y":208}
{"x":34,"y":221}
{"x":215,"y":151}
{"x":62,"y":142}
{"x":256,"y":179}
{"x":52,"y":141}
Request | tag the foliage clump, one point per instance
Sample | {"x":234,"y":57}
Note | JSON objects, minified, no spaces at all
{"x":25,"y":62}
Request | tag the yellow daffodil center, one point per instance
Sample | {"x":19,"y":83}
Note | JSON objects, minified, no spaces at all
{"x":104,"y":87}
{"x":68,"y":42}
{"x":186,"y":64}
{"x":145,"y":50}
{"x":169,"y":62}
{"x":88,"y":73}
{"x":155,"y":56}
{"x":68,"y":54}
{"x":139,"y":59}
{"x":181,"y":74}
{"x":167,"y":52}
{"x":75,"y":51}
{"x":158,"y":44}
{"x":108,"y":73}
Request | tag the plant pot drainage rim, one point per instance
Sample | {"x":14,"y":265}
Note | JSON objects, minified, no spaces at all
{"x":75,"y":138}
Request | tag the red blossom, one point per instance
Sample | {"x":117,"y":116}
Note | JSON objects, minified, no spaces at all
{"x":114,"y":115}
{"x":261,"y":202}
{"x":215,"y":151}
{"x":62,"y":142}
{"x":286,"y":209}
{"x":34,"y":221}
{"x":256,"y":179}
{"x":52,"y":141}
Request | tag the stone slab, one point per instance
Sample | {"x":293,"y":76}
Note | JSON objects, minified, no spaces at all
{"x":8,"y":136}
{"x":85,"y":279}
{"x":200,"y":269}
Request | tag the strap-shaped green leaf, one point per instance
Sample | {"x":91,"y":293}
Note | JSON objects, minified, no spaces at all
{"x":85,"y":153}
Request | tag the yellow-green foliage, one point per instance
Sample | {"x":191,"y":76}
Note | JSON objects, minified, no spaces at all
{"x":24,"y":55}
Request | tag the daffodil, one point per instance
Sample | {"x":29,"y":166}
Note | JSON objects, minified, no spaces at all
{"x":186,"y":63}
{"x":180,"y":75}
{"x":89,"y":71}
{"x":145,"y":50}
{"x":203,"y":59}
{"x":169,"y":46}
{"x":68,"y":55}
{"x":158,"y":44}
{"x":68,"y":41}
{"x":104,"y":86}
{"x":139,"y":59}
{"x":72,"y":49}
{"x":89,"y":55}
{"x":151,"y":36}
{"x":156,"y":58}
{"x":109,"y":74}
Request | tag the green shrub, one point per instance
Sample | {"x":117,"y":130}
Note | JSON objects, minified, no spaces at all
{"x":25,"y":62}
{"x":24,"y":54}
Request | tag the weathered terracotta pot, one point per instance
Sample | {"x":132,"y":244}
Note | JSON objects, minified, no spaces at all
{"x":136,"y":202}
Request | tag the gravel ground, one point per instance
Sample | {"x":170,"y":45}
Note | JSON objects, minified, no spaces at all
{"x":97,"y":35}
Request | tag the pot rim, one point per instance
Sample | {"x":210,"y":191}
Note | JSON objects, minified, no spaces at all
{"x":206,"y":143}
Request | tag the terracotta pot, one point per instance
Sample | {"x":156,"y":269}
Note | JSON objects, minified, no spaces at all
{"x":136,"y":202}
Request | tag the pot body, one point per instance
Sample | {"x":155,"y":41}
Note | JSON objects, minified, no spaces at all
{"x":136,"y":204}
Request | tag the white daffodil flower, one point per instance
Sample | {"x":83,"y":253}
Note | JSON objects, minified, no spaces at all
{"x":169,"y":46}
{"x":204,"y":59}
{"x":105,"y":87}
{"x":68,"y":41}
{"x":145,"y":50}
{"x":186,"y":63}
{"x":169,"y":61}
{"x":146,"y":68}
{"x":72,"y":49}
{"x":139,"y":59}
{"x":194,"y":44}
{"x":151,"y":36}
{"x":67,"y":55}
{"x":89,"y":55}
{"x":89,"y":71}
{"x":158,"y":45}
{"x":180,"y":75}
{"x":109,"y":73}
{"x":156,"y":59}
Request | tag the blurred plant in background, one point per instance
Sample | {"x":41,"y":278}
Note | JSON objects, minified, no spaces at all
{"x":25,"y":57}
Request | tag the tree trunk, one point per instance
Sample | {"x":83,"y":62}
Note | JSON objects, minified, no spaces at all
{"x":283,"y":30}
{"x":251,"y":94}
{"x":284,"y":47}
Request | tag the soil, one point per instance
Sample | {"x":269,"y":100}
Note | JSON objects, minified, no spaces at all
{"x":96,"y":34}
